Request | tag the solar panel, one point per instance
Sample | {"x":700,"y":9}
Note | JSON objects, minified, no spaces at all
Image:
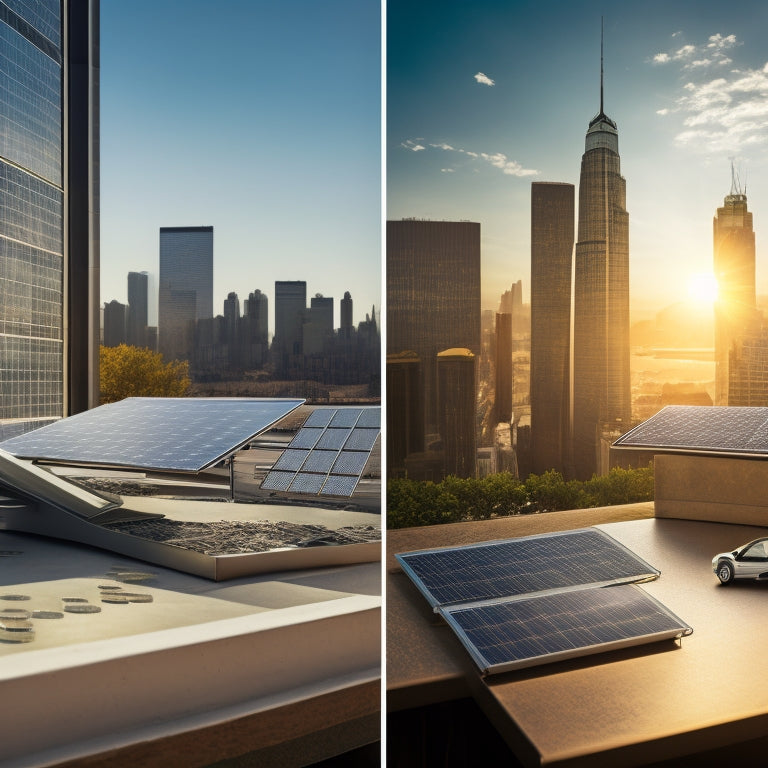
{"x":179,"y":434}
{"x":307,"y":483}
{"x":291,"y":460}
{"x":320,"y":461}
{"x":523,"y":632}
{"x":338,"y":485}
{"x":339,"y":441}
{"x":350,"y":463}
{"x":498,"y":569}
{"x":711,"y":429}
{"x":278,"y":481}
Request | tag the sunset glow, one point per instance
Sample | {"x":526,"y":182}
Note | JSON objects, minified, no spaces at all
{"x":702,"y":288}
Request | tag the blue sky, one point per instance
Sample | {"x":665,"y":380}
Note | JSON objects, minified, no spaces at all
{"x":484,"y":97}
{"x":260,"y":118}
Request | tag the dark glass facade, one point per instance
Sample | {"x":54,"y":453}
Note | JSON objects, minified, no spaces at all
{"x":186,"y":287}
{"x":552,"y":223}
{"x":46,"y":364}
{"x":433,"y":294}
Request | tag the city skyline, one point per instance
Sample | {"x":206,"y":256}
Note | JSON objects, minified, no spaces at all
{"x":257,"y":126}
{"x":484,"y":99}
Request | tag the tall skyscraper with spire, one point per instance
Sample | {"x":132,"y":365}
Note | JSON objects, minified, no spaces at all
{"x":734,"y":267}
{"x":601,"y":390}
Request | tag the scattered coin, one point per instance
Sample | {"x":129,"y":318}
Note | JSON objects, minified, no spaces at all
{"x":132,"y":577}
{"x":74,"y":600}
{"x":115,"y":597}
{"x":16,"y":625}
{"x":27,"y":636}
{"x":81,"y":608}
{"x":137,"y":597}
{"x":109,"y":588}
{"x":47,"y":615}
{"x":13,"y":613}
{"x":15,"y":597}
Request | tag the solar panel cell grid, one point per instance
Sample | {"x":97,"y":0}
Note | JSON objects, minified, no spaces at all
{"x":370,"y":418}
{"x":333,"y":439}
{"x":346,"y":417}
{"x":521,"y":566}
{"x":277,"y":481}
{"x":320,"y":417}
{"x":307,"y":483}
{"x":291,"y":460}
{"x":361,"y":439}
{"x":518,"y":633}
{"x":338,"y":485}
{"x":350,"y":463}
{"x":306,"y":437}
{"x":320,"y":461}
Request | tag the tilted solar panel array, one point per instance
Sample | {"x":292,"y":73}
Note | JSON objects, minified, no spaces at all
{"x":328,"y":454}
{"x":539,"y":599}
{"x":181,"y":434}
{"x":709,"y":429}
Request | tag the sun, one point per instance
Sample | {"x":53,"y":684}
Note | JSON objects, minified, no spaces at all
{"x":702,"y":288}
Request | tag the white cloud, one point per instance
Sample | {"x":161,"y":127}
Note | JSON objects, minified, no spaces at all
{"x":484,"y":79}
{"x":722,"y":113}
{"x":496,"y":159}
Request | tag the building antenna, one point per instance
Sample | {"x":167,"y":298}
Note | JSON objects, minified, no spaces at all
{"x":601,"y":65}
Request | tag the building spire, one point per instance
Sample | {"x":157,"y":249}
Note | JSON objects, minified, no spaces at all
{"x":601,"y":66}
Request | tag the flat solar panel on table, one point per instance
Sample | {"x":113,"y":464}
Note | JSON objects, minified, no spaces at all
{"x":523,"y":632}
{"x":711,"y":429}
{"x":499,"y":569}
{"x":328,"y":454}
{"x":181,"y":434}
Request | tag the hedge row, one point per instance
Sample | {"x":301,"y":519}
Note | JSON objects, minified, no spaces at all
{"x":410,"y":502}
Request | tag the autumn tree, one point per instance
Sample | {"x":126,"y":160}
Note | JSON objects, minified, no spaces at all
{"x":127,"y":371}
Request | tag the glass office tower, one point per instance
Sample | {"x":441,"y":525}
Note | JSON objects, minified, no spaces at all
{"x":49,"y":196}
{"x":186,"y":287}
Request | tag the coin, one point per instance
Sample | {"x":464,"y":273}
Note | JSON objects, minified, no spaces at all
{"x":109,"y":588}
{"x":15,"y":597}
{"x":47,"y":615}
{"x":132,"y":576}
{"x":137,"y":597}
{"x":13,"y":613}
{"x":27,"y":636}
{"x":16,"y":625}
{"x":81,"y":608}
{"x":74,"y":600}
{"x":114,"y":597}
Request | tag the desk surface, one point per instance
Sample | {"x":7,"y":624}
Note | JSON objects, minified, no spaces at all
{"x":635,"y":706}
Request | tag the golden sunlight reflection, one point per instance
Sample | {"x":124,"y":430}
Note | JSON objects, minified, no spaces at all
{"x":702,"y":288}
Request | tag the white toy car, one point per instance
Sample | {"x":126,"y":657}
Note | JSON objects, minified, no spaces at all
{"x":749,"y":561}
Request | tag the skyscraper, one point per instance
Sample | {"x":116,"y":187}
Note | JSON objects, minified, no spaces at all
{"x":346,"y":315}
{"x":552,"y":221}
{"x":405,"y":411}
{"x":49,"y":211}
{"x":290,"y":312}
{"x":503,"y":359}
{"x":115,"y":326}
{"x":734,"y":267}
{"x":601,"y":383}
{"x":138,"y":308}
{"x":186,"y":286}
{"x":433,"y":294}
{"x":457,"y":411}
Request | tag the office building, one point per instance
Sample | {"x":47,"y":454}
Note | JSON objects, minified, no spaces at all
{"x":433,"y":294}
{"x":138,"y":309}
{"x":186,"y":287}
{"x":552,"y":221}
{"x":318,"y":330}
{"x":405,"y":411}
{"x":503,"y":361}
{"x":115,"y":324}
{"x":457,"y":411}
{"x":734,"y":267}
{"x":290,"y":311}
{"x":49,"y":212}
{"x":346,"y":315}
{"x":601,"y":383}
